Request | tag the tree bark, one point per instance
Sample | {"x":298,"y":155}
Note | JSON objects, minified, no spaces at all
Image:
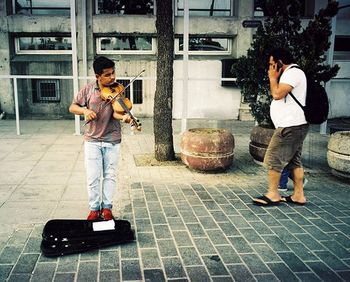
{"x":163,"y":100}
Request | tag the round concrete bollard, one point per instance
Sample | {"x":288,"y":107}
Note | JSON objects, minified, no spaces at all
{"x":338,"y":154}
{"x":207,"y":149}
{"x":259,"y":140}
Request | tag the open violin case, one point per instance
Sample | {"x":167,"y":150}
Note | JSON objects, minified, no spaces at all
{"x":68,"y":236}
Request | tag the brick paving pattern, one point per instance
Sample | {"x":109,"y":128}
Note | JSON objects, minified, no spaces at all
{"x":190,"y":226}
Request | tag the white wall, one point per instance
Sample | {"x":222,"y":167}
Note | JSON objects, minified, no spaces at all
{"x":339,"y":97}
{"x":344,"y":71}
{"x":339,"y":93}
{"x":206,"y":99}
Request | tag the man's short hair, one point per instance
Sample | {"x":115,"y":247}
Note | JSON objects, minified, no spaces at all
{"x":101,"y":63}
{"x":282,"y":54}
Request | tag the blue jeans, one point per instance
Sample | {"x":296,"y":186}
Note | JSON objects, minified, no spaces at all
{"x":101,"y":159}
{"x":284,"y":177}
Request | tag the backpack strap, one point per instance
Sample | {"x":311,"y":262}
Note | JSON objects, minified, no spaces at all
{"x":291,"y":94}
{"x":296,"y":100}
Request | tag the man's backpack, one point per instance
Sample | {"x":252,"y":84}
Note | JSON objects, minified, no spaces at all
{"x":316,"y":104}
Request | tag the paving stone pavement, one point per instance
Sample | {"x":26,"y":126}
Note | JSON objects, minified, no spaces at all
{"x":190,"y":226}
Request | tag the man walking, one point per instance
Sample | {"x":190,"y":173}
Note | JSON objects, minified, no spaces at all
{"x":285,"y":147}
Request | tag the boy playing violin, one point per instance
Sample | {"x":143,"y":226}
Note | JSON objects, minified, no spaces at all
{"x":102,"y":137}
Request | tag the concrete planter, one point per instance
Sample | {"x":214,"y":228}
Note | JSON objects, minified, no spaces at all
{"x":338,"y":154}
{"x":259,"y":140}
{"x":207,"y":149}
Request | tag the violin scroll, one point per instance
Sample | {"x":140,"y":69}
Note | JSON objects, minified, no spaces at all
{"x":136,"y":125}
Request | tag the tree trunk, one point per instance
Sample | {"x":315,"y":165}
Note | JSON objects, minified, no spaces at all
{"x":163,"y":100}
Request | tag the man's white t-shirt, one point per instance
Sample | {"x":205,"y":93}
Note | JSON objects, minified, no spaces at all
{"x":286,"y":112}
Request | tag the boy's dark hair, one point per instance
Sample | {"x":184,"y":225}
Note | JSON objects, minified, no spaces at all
{"x":101,"y":63}
{"x":282,"y":54}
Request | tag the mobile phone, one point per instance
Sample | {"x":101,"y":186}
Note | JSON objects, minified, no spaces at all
{"x":279,"y":65}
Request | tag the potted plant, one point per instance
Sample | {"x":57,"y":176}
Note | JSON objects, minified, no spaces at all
{"x":308,"y":45}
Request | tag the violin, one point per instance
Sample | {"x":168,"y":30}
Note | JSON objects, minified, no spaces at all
{"x":114,"y":94}
{"x":108,"y":92}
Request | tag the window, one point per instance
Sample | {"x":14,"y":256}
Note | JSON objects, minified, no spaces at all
{"x":126,"y":45}
{"x":43,"y":45}
{"x":41,"y":7}
{"x":204,"y":46}
{"x":127,"y":7}
{"x":135,"y":88}
{"x":307,"y":8}
{"x":46,"y":91}
{"x":342,"y":48}
{"x":208,"y":8}
{"x":226,"y":72}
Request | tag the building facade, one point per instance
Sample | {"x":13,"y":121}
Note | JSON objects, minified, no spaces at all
{"x":36,"y":49}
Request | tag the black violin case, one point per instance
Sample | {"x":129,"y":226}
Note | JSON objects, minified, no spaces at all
{"x":69,"y":236}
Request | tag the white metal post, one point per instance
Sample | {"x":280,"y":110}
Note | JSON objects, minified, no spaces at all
{"x":74,"y":59}
{"x":84,"y":36}
{"x":185,"y":67}
{"x":15,"y":89}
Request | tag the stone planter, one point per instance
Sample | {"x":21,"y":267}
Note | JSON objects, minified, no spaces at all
{"x":207,"y":149}
{"x":336,"y":128}
{"x":259,"y":140}
{"x":338,"y":154}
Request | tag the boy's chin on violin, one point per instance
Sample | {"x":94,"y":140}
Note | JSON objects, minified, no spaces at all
{"x":113,"y":83}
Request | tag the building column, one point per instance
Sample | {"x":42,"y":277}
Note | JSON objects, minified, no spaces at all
{"x":6,"y":93}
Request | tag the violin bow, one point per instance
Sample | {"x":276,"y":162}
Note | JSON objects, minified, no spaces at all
{"x":117,"y":95}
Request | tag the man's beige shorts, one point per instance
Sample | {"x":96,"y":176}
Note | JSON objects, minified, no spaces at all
{"x":285,"y":147}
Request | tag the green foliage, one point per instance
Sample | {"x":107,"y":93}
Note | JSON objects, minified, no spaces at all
{"x":284,"y":29}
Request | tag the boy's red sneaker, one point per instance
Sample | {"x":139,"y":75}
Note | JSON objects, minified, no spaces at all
{"x":107,"y":214}
{"x":93,"y":215}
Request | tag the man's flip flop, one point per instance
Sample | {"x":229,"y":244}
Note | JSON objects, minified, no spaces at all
{"x":289,"y":199}
{"x":266,"y":202}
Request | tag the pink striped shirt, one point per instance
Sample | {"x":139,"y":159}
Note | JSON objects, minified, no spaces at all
{"x":104,"y":128}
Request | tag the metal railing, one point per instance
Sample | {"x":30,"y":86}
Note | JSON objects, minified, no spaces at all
{"x":15,"y":79}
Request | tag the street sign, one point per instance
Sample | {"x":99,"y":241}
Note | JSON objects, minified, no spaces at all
{"x":251,"y":23}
